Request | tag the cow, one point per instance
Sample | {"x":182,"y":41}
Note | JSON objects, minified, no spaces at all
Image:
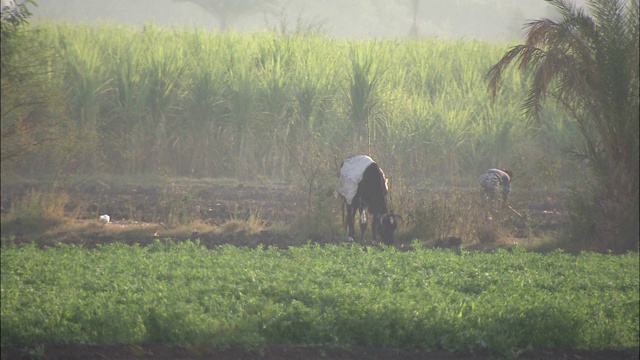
{"x":363,"y":187}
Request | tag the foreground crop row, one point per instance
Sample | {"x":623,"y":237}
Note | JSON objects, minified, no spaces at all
{"x":338,"y":295}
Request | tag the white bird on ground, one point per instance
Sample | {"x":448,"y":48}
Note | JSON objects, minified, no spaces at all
{"x":105,"y":219}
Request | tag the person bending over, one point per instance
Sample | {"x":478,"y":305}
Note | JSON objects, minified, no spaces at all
{"x":496,"y":185}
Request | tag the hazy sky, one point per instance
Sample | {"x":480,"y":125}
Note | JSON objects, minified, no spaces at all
{"x":486,"y":19}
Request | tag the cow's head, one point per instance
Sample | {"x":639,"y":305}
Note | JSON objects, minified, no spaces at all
{"x":387,"y":224}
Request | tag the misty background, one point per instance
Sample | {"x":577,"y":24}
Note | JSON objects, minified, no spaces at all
{"x":448,"y":19}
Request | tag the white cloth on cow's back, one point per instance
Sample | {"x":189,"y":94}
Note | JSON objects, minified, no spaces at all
{"x":351,"y":174}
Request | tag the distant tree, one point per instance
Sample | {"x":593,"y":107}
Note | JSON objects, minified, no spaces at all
{"x":228,"y":11}
{"x":24,"y":94}
{"x":15,"y":13}
{"x":284,"y":25}
{"x":589,"y":65}
{"x":14,"y":16}
{"x":414,"y":31}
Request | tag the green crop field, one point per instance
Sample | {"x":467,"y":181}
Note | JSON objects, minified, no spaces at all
{"x":339,"y":295}
{"x":187,"y":102}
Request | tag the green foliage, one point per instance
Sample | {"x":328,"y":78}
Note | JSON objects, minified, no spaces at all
{"x":340,"y":295}
{"x":317,"y":181}
{"x":15,"y":17}
{"x":196,"y":103}
{"x":588,"y":62}
{"x":28,"y":94}
{"x":363,"y":94}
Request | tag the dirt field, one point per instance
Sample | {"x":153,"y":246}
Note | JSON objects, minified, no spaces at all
{"x":214,"y":204}
{"x":286,"y":352}
{"x":144,"y":213}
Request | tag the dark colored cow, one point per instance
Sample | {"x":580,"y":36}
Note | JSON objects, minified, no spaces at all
{"x":362,"y":175}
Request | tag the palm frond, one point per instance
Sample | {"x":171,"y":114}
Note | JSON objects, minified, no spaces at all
{"x":495,"y":73}
{"x":560,"y":53}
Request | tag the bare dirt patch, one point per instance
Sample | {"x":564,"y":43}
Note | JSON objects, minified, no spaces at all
{"x":143,"y":213}
{"x":285,"y":352}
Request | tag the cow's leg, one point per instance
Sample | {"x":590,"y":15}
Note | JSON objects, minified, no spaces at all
{"x":351,"y":214}
{"x":363,"y":221}
{"x":374,"y":226}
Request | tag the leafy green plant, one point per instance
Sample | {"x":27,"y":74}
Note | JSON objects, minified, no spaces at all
{"x":363,"y":94}
{"x":341,"y":295}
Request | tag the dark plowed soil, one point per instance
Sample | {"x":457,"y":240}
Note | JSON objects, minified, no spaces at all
{"x":153,"y":207}
{"x":285,"y":352}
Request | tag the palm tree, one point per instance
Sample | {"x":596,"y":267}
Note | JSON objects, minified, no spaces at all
{"x":588,"y":63}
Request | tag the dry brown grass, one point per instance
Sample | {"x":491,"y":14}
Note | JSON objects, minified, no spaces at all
{"x":248,"y":222}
